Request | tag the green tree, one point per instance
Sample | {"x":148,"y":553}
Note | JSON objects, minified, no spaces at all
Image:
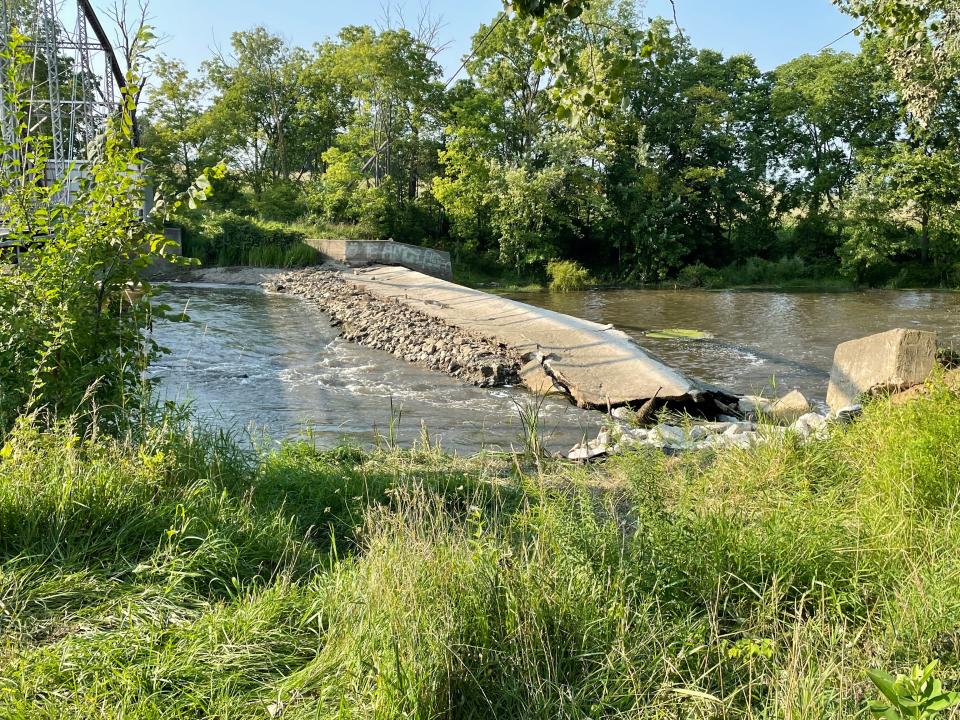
{"x":924,"y":47}
{"x":253,"y":112}
{"x":829,"y":106}
{"x":176,"y":129}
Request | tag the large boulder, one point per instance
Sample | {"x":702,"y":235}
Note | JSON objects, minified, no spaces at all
{"x":889,"y":361}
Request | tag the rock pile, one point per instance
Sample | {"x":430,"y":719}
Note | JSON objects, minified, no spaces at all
{"x":395,"y":328}
{"x":762,"y":420}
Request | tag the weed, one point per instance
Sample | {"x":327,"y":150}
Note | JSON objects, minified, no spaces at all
{"x":917,"y":695}
{"x":567,"y":275}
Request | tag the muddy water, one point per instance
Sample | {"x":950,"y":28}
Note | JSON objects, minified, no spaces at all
{"x":759,"y":338}
{"x":273,"y":365}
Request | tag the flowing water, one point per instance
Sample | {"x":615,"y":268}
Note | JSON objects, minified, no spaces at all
{"x":759,"y":339}
{"x":245,"y":359}
{"x":274,"y":365}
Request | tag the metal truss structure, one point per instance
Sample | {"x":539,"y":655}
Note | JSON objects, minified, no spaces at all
{"x":73,"y":84}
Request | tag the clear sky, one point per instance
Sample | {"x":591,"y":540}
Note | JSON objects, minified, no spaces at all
{"x":772,"y":30}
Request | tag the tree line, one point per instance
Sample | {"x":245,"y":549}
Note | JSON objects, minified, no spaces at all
{"x":662,"y":160}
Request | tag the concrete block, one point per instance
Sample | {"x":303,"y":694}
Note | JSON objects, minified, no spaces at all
{"x":889,"y":361}
{"x":535,"y":379}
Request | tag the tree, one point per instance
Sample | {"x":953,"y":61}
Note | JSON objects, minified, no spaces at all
{"x":176,"y":133}
{"x":829,"y":107}
{"x":910,"y":190}
{"x":924,"y":52}
{"x":386,"y":154}
{"x":255,"y":107}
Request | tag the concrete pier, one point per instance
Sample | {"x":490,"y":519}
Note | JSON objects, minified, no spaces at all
{"x":597,"y":365}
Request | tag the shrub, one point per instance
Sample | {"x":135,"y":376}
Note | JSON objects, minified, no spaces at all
{"x":230,"y":239}
{"x":281,"y":201}
{"x":73,"y":312}
{"x":697,"y":275}
{"x":567,"y":276}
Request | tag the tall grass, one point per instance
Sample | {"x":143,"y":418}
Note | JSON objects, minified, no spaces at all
{"x":178,"y":576}
{"x":567,"y":276}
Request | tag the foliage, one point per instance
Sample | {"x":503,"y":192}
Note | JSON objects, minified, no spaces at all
{"x":74,"y":309}
{"x":917,"y":695}
{"x":177,"y":130}
{"x":566,"y":276}
{"x":924,"y":51}
{"x":585,"y":132}
{"x":173,"y":574}
{"x":229,"y":239}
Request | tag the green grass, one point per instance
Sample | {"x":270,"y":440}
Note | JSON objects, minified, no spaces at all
{"x":179,"y":576}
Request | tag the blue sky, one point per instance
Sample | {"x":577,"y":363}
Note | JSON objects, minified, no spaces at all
{"x":772,"y":30}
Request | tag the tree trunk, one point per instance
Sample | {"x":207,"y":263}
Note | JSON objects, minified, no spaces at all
{"x":925,"y":236}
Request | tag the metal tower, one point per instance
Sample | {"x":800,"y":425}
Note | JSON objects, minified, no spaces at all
{"x":74,"y":78}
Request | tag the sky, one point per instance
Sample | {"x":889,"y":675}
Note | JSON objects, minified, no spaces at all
{"x":773,"y":31}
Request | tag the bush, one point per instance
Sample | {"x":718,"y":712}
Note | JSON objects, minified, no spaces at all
{"x":759,"y":271}
{"x":281,"y":201}
{"x":567,"y":276}
{"x":73,"y":312}
{"x":697,"y":275}
{"x":280,"y":256}
{"x":231,"y":239}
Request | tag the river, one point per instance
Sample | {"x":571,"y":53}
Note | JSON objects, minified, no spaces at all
{"x":273,"y":365}
{"x":760,"y":340}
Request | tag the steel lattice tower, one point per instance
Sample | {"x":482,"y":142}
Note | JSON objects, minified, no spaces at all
{"x":74,"y":76}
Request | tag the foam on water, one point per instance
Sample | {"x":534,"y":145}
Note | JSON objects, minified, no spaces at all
{"x":277,"y":363}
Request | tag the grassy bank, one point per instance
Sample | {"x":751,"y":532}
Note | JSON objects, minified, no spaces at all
{"x":178,"y":576}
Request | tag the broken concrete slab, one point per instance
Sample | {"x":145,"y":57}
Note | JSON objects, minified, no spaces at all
{"x":536,"y":379}
{"x":889,"y":361}
{"x":597,"y":365}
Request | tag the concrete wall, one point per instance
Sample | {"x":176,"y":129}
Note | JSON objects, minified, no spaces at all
{"x":386,"y":252}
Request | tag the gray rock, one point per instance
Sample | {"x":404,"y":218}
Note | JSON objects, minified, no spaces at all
{"x":718,"y":427}
{"x":811,"y":425}
{"x":592,"y":449}
{"x":587,"y":452}
{"x":753,"y":404}
{"x":668,"y":434}
{"x":699,"y":432}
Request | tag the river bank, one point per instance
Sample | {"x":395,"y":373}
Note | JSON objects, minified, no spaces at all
{"x":196,"y":578}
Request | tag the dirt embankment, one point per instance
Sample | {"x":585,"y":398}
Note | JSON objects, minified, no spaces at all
{"x":389,"y":325}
